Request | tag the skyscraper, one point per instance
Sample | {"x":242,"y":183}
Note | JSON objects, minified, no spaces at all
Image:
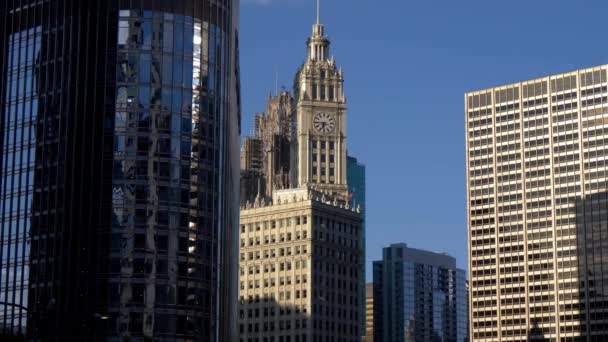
{"x":355,"y":177}
{"x":538,"y":208}
{"x":119,"y":169}
{"x":301,"y":256}
{"x":418,"y":296}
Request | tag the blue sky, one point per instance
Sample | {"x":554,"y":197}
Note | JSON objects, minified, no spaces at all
{"x":407,"y":65}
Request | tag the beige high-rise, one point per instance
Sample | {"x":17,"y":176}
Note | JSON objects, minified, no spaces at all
{"x":301,"y":255}
{"x":538,"y":208}
{"x":300,"y":269}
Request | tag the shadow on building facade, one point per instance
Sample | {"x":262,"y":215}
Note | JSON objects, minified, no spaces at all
{"x":266,"y":320}
{"x":536,"y":333}
{"x":592,"y":253}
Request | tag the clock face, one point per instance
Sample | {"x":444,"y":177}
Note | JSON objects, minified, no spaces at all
{"x":324,"y":123}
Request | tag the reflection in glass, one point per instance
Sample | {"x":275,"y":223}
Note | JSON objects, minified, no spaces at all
{"x":159,"y":143}
{"x":17,"y":174}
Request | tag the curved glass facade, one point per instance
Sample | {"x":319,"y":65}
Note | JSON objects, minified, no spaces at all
{"x":18,"y":160}
{"x":166,"y":173}
{"x":120,"y":125}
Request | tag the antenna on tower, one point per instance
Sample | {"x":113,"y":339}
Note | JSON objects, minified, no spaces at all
{"x":318,"y":12}
{"x":276,"y":80}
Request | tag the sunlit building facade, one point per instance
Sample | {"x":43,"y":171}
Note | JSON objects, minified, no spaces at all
{"x":369,"y":313}
{"x":300,"y":267}
{"x":119,"y":169}
{"x":538,"y":208}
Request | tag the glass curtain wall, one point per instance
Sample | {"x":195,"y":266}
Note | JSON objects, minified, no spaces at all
{"x":119,"y":140}
{"x":17,"y":172}
{"x":165,"y":182}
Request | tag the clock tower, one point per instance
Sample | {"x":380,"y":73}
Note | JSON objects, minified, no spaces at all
{"x":321,"y":119}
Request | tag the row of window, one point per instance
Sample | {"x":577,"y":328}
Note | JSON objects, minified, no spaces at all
{"x":272,"y":282}
{"x":272,"y":224}
{"x":268,"y":239}
{"x":271,"y":267}
{"x":323,"y":92}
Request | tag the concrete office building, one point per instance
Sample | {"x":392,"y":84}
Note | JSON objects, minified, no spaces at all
{"x":538,"y":208}
{"x":418,"y":296}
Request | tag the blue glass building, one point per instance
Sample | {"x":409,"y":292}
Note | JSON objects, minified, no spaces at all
{"x":119,"y":126}
{"x":355,"y":175}
{"x":419,"y":296}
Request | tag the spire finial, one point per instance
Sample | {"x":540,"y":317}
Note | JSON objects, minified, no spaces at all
{"x":318,"y":12}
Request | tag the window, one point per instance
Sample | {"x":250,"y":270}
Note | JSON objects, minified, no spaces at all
{"x":123,"y":33}
{"x":314,"y":91}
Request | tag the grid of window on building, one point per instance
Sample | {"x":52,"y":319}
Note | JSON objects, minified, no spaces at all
{"x":299,"y":273}
{"x":17,"y":176}
{"x":537,"y":191}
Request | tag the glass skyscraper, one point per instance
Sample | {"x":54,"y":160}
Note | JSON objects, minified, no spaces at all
{"x":355,"y":175}
{"x":418,"y":296}
{"x":119,"y":164}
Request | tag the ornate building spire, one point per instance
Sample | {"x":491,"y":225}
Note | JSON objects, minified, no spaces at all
{"x":321,"y":118}
{"x":318,"y":44}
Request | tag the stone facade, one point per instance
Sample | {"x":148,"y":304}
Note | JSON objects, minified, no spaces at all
{"x":321,"y":119}
{"x":300,"y":263}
